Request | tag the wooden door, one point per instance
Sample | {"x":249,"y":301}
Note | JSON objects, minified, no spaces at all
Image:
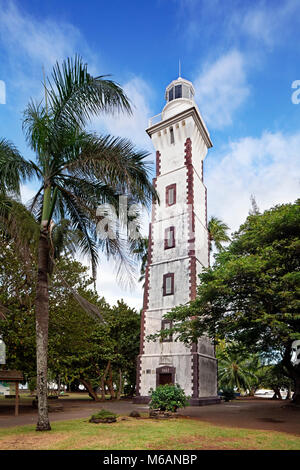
{"x":165,"y":379}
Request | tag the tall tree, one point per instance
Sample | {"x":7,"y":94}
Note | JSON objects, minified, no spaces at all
{"x":235,"y":367}
{"x":217,"y":233}
{"x":251,"y":295}
{"x":77,"y":170}
{"x":141,"y":252}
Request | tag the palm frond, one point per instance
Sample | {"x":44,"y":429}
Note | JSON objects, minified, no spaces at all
{"x":13,"y":168}
{"x":75,"y":96}
{"x":217,"y":230}
{"x":116,"y":162}
{"x":19,"y":225}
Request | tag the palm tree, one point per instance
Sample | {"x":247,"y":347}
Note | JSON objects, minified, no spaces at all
{"x":141,"y":252}
{"x":77,"y":170}
{"x":217,"y":233}
{"x":235,"y":368}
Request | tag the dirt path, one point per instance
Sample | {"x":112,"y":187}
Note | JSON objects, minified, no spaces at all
{"x":264,"y":414}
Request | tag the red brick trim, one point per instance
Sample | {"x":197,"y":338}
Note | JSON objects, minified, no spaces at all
{"x":191,"y":253}
{"x":146,"y":295}
{"x":138,"y":376}
{"x":191,"y":216}
{"x":193,"y":278}
{"x":158,"y":163}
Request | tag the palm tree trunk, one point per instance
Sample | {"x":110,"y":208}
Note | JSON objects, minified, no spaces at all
{"x":42,"y":318}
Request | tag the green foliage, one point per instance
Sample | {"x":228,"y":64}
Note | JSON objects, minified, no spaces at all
{"x":228,"y":393}
{"x":102,"y":414}
{"x":79,"y":346}
{"x":236,"y":367}
{"x":77,"y":171}
{"x":274,"y":377}
{"x":168,"y":398}
{"x":217,"y":231}
{"x":141,"y":252}
{"x":252,"y":294}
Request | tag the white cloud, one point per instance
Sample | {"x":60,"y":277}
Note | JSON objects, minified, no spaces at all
{"x":221,"y":88}
{"x":124,"y":125}
{"x":267,"y":167}
{"x":112,"y":291}
{"x":30,"y":44}
{"x":45,"y":41}
{"x":27,"y":193}
{"x":268,"y":23}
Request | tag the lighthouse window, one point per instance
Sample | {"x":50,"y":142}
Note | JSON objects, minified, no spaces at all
{"x":169,"y":237}
{"x":168,"y":284}
{"x":171,"y":194}
{"x":171,"y":94}
{"x":178,"y":91}
{"x":172,"y":140}
{"x":166,"y":325}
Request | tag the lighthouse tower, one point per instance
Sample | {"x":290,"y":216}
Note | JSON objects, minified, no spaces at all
{"x":178,"y":249}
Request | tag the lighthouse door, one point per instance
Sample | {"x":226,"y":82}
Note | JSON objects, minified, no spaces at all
{"x":165,"y":375}
{"x":165,"y":379}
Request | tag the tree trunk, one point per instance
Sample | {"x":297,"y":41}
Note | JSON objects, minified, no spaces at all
{"x":102,"y":381}
{"x":58,"y":386}
{"x":293,"y":372}
{"x":42,"y":319}
{"x":289,"y":393}
{"x":277,"y":393}
{"x":110,"y":384}
{"x":90,"y":389}
{"x":296,"y":396}
{"x":120,"y":385}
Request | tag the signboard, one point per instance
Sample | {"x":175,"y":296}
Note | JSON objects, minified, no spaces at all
{"x":4,"y":388}
{"x":2,"y":352}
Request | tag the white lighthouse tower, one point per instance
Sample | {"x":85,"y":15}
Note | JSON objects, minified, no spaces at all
{"x":178,"y":249}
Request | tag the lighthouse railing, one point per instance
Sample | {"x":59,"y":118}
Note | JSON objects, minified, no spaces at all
{"x":155,"y":119}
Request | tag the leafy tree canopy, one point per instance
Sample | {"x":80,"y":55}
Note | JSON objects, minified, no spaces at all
{"x":251,"y":294}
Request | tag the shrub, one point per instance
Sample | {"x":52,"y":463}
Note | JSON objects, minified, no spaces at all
{"x":168,"y":398}
{"x":228,"y":394}
{"x":103,"y":414}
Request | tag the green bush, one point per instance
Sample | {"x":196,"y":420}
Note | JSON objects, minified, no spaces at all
{"x":168,"y":398}
{"x":104,"y":414}
{"x":228,"y":393}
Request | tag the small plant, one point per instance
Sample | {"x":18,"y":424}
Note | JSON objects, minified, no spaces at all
{"x":32,"y":384}
{"x":104,"y":416}
{"x":228,"y":394}
{"x":168,"y":398}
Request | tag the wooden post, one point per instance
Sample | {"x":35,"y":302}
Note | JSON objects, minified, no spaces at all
{"x":17,"y":400}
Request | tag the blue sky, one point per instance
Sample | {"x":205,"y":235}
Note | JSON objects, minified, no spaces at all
{"x":241,"y":56}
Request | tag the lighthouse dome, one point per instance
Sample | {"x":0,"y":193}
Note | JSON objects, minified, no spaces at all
{"x":179,"y":96}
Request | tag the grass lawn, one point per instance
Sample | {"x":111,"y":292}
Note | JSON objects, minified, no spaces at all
{"x":148,"y":434}
{"x":27,"y":396}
